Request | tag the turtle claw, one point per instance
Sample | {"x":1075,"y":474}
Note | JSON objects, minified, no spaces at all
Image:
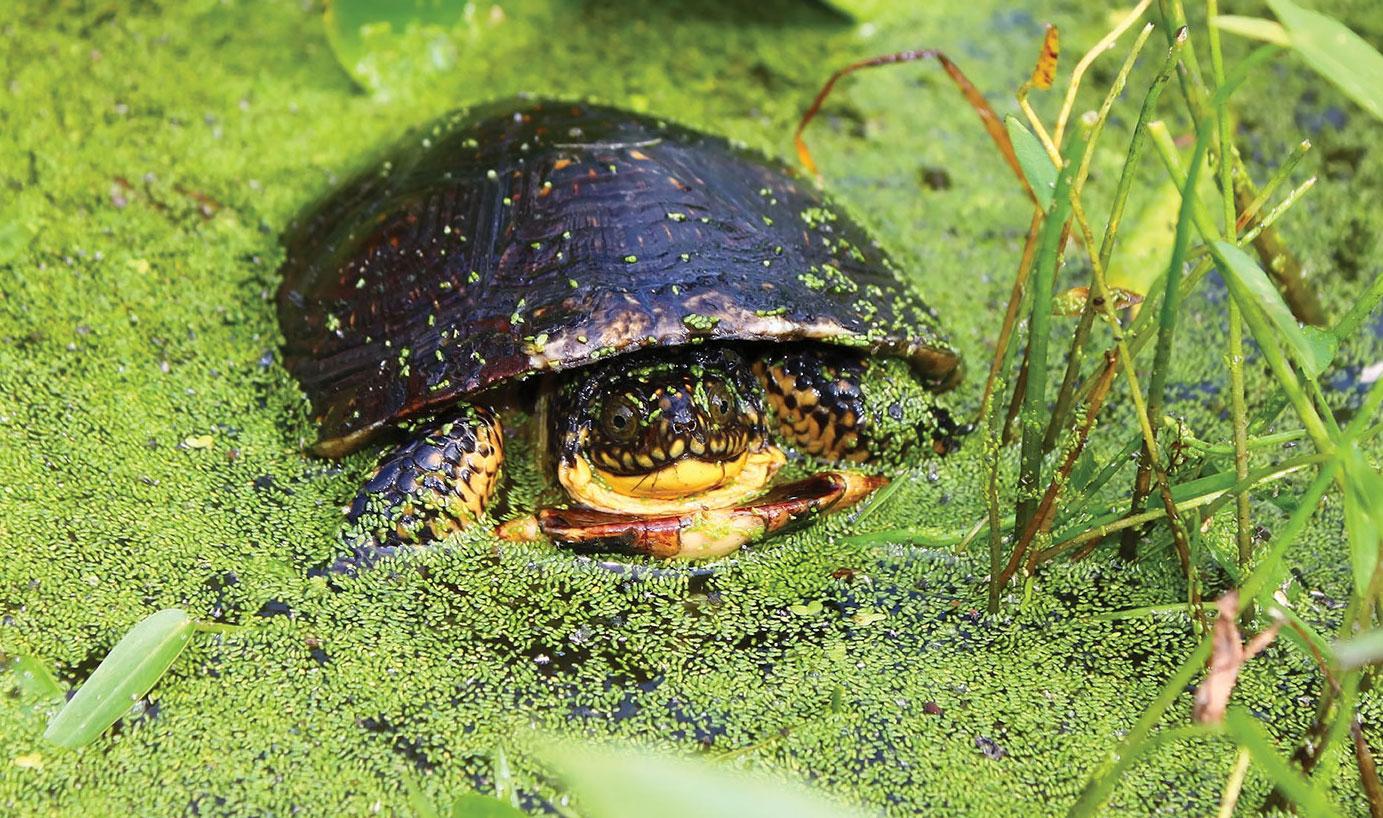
{"x":705,"y":534}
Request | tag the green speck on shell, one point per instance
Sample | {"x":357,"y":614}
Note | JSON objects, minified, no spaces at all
{"x":703,"y":323}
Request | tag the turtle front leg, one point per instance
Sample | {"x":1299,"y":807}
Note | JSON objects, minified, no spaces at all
{"x":437,"y":483}
{"x":841,"y":407}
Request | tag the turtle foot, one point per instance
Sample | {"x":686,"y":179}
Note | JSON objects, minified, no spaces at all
{"x":697,"y":535}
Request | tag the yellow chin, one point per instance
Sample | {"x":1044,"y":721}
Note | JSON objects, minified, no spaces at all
{"x":687,"y":485}
{"x":686,"y":476}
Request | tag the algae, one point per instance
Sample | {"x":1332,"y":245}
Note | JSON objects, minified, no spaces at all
{"x":152,"y":448}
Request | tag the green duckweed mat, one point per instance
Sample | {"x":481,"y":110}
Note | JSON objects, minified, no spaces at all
{"x":151,"y":444}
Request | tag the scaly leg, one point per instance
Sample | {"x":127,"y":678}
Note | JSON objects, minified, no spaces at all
{"x":437,"y":483}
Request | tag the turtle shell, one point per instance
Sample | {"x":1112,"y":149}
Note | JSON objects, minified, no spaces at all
{"x":533,"y":236}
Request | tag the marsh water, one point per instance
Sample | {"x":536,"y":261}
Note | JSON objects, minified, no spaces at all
{"x":152,"y":445}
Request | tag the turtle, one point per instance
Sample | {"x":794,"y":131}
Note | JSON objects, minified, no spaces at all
{"x":678,"y":314}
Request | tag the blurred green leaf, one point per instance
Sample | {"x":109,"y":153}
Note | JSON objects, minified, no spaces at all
{"x":504,"y":779}
{"x":35,"y":678}
{"x":1363,"y":516}
{"x":629,"y":784}
{"x":1357,"y":651}
{"x":475,"y":805}
{"x":14,"y":237}
{"x":16,"y":231}
{"x":417,"y":799}
{"x":1255,"y":28}
{"x":1336,"y":53}
{"x":1311,"y":348}
{"x":382,"y":44}
{"x":1032,"y":157}
{"x":128,"y":672}
{"x":1144,"y":248}
{"x":397,"y":48}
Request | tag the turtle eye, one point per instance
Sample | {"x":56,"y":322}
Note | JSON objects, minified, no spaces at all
{"x":721,"y":403}
{"x":620,"y":419}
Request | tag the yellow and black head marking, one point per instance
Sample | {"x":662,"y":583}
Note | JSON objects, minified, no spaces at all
{"x":664,"y":434}
{"x":841,"y":407}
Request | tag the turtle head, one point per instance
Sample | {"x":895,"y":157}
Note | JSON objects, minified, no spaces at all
{"x":664,"y":432}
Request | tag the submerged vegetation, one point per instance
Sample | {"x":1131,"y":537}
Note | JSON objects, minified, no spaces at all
{"x":1176,"y":398}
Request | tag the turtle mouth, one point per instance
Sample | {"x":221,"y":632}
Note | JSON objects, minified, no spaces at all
{"x":687,"y":484}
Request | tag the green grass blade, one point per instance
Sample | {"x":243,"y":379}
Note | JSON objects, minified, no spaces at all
{"x":1336,"y":53}
{"x":1312,"y":348}
{"x":1246,"y":730}
{"x":1139,"y":743}
{"x":1033,"y":417}
{"x":1033,"y":158}
{"x":1254,"y":28}
{"x":128,"y":672}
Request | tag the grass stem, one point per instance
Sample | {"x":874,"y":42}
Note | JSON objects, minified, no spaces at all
{"x":1234,"y":784}
{"x":1283,"y":172}
{"x":1039,"y":335}
{"x":1107,"y":42}
{"x":1076,"y":357}
{"x":1235,"y":354}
